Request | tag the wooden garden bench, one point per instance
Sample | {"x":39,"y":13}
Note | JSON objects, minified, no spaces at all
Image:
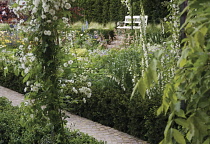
{"x":137,"y":20}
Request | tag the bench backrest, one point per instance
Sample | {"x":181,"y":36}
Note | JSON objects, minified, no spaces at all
{"x":137,"y":20}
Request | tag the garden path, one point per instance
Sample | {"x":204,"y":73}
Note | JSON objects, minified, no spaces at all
{"x":96,"y":130}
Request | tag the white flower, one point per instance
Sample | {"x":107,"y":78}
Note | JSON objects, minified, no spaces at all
{"x":49,"y":21}
{"x":55,"y":18}
{"x":26,"y":70}
{"x":89,"y":84}
{"x":29,"y":47}
{"x":88,"y":95}
{"x":70,"y":62}
{"x":36,"y":3}
{"x":38,"y":84}
{"x":52,"y":11}
{"x":23,"y":66}
{"x":74,"y":90}
{"x":65,"y":64}
{"x":47,"y":32}
{"x":36,"y":39}
{"x":25,"y":40}
{"x":44,"y":16}
{"x":25,"y":89}
{"x":34,"y":88}
{"x":67,"y":6}
{"x":21,"y":46}
{"x":56,"y":7}
{"x":84,"y":100}
{"x":28,"y":83}
{"x":34,"y":10}
{"x":46,"y":8}
{"x":21,"y":21}
{"x":65,"y":20}
{"x":86,"y":91}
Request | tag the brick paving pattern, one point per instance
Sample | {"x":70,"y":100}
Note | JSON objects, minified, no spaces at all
{"x":94,"y":129}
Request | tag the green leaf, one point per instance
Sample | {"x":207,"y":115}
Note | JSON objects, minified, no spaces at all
{"x":189,"y":136}
{"x":183,"y":59}
{"x":182,"y":62}
{"x":182,"y":122}
{"x":26,"y":78}
{"x":207,"y":141}
{"x":181,"y":113}
{"x":160,"y":110}
{"x":141,"y":87}
{"x":5,"y":71}
{"x":152,"y":70}
{"x":178,"y":136}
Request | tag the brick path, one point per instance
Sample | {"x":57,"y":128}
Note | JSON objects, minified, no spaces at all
{"x":96,"y":130}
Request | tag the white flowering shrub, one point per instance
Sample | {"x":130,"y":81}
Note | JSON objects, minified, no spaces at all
{"x":41,"y":60}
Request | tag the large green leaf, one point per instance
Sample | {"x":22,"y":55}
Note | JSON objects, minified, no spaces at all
{"x":182,"y":122}
{"x":178,"y":136}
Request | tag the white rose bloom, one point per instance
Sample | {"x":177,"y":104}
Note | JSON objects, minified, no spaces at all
{"x":36,"y":3}
{"x":25,"y":89}
{"x":36,"y":39}
{"x":47,"y":32}
{"x":34,"y":88}
{"x":88,"y":95}
{"x":46,"y":8}
{"x":55,"y":18}
{"x":26,"y":70}
{"x":52,"y":11}
{"x":34,"y":10}
{"x":74,"y":90}
{"x":65,"y":64}
{"x":56,"y":7}
{"x":67,"y":6}
{"x":44,"y":16}
{"x":65,"y":20}
{"x":89,"y":84}
{"x":70,"y":62}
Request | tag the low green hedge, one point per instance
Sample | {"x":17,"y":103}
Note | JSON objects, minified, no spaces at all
{"x":13,"y":132}
{"x":111,"y":106}
{"x":12,"y":81}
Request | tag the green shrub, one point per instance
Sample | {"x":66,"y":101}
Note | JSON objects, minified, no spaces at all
{"x":12,"y":129}
{"x":110,"y":105}
{"x":12,"y":81}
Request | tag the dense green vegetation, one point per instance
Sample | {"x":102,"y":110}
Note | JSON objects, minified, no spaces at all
{"x":13,"y":129}
{"x":104,"y":11}
{"x":122,"y":87}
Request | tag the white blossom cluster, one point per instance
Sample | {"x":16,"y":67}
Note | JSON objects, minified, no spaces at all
{"x":86,"y":91}
{"x":25,"y":59}
{"x":33,"y":87}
